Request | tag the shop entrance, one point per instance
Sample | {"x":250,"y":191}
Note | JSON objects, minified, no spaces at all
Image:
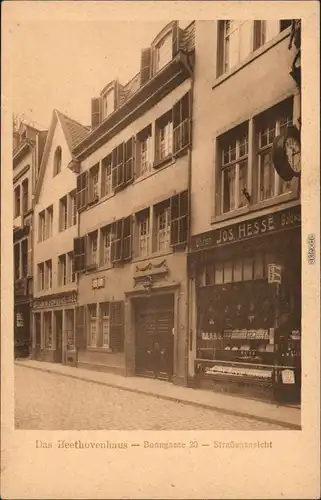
{"x":154,"y":337}
{"x":58,"y":328}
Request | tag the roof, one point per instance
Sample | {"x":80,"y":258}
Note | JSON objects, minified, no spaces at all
{"x":73,"y":132}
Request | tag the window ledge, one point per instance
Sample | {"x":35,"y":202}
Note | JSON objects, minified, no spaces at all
{"x":168,"y":160}
{"x":100,"y":349}
{"x":254,"y":55}
{"x":256,"y":207}
{"x":151,"y":256}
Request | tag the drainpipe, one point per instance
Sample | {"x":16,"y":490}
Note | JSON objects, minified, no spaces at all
{"x":188,"y":287}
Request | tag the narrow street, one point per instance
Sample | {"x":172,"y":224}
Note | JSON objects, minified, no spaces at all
{"x":54,"y":402}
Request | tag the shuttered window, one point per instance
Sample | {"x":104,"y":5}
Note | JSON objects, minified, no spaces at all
{"x":82,"y":191}
{"x":181,"y":123}
{"x":145,"y":66}
{"x":96,"y":112}
{"x":127,"y":238}
{"x":80,"y":253}
{"x":116,"y":244}
{"x":118,"y":166}
{"x":117,"y":321}
{"x":179,"y":218}
{"x":129,"y":160}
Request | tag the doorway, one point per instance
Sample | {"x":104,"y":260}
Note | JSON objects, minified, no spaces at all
{"x":37,"y":323}
{"x":58,"y":328}
{"x":154,"y":337}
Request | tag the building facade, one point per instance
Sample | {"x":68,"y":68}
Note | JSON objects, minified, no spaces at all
{"x":245,"y":330}
{"x":133,"y":182}
{"x":56,"y":226}
{"x":28,"y":144}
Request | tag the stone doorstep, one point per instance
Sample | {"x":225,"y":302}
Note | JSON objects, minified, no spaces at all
{"x":285,"y":416}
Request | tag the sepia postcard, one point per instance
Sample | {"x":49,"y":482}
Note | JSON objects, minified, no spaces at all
{"x":160,"y":250}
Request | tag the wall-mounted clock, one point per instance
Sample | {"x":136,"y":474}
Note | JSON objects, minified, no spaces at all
{"x":286,"y":154}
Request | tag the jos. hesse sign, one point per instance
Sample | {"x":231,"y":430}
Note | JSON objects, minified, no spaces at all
{"x":248,"y":229}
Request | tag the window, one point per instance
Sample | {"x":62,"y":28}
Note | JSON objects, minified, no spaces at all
{"x":144,"y":153}
{"x":284,"y":24}
{"x":48,"y":274}
{"x":92,"y":254}
{"x":49,"y":221}
{"x":63,"y":214}
{"x":17,"y":201}
{"x":181,"y":123}
{"x":16,"y":261}
{"x":105,"y":323}
{"x":246,"y":268}
{"x":41,"y":277}
{"x":47,"y":320}
{"x":24,"y":258}
{"x":143,"y":233}
{"x":82,"y":186}
{"x":106,"y":188}
{"x":179,"y":218}
{"x":57,"y":161}
{"x":116,"y":241}
{"x":233,"y":44}
{"x":118,"y":166}
{"x":233,"y":152}
{"x":71,"y":274}
{"x":72,"y":217}
{"x":270,"y":124}
{"x":62,"y":270}
{"x":259,"y":37}
{"x":108,"y":103}
{"x":127,"y":238}
{"x":163,"y":52}
{"x":70,"y":329}
{"x":25,"y":196}
{"x":93,"y":184}
{"x":92,"y":314}
{"x":162,"y":219}
{"x":164,"y":137}
{"x":42,"y":226}
{"x":105,"y":256}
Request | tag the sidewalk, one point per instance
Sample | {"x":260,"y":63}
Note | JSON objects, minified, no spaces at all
{"x":289,"y":417}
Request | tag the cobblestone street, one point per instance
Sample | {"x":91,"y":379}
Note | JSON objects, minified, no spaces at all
{"x":54,"y":402}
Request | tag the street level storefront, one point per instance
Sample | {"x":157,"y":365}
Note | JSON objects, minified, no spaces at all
{"x":248,"y":307}
{"x":131,"y":320}
{"x":53,"y":337}
{"x":22,"y":289}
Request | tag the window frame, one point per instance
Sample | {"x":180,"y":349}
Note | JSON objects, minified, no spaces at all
{"x":25,"y":195}
{"x":160,"y":210}
{"x":48,"y":274}
{"x":178,"y":219}
{"x":233,"y":137}
{"x":93,"y":255}
{"x":284,"y":108}
{"x":92,"y":321}
{"x":106,"y":176}
{"x":62,"y":270}
{"x":41,"y":276}
{"x":17,"y":201}
{"x":103,"y":307}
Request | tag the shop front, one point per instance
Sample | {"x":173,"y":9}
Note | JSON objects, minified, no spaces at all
{"x":248,"y":307}
{"x":54,"y":328}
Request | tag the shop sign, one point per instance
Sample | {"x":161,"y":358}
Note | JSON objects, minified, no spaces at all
{"x":288,"y":377}
{"x":98,"y":283}
{"x":55,"y":301}
{"x":274,"y":274}
{"x":278,"y":221}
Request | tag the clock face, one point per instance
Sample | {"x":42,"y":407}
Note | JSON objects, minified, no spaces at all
{"x":293,"y":152}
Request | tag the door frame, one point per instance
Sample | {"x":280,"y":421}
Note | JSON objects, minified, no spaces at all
{"x":58,"y":352}
{"x":130,"y":322}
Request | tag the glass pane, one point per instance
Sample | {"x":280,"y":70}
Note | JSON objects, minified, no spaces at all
{"x":218,"y":273}
{"x":258,"y":266}
{"x":248,"y":268}
{"x":228,"y":271}
{"x":237,"y":270}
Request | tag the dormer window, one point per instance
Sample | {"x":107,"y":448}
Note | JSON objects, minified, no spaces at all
{"x":163,"y":51}
{"x":108,"y":100}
